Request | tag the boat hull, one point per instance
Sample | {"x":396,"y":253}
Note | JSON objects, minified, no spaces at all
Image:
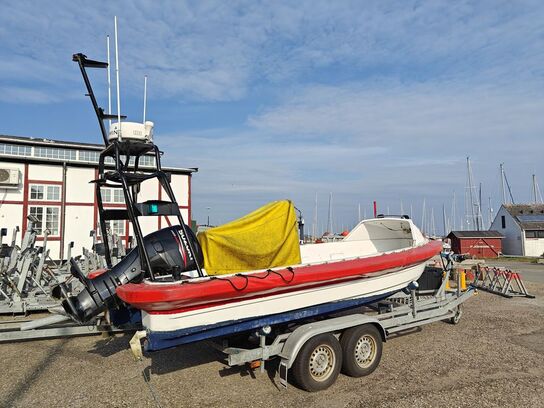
{"x":170,"y":329}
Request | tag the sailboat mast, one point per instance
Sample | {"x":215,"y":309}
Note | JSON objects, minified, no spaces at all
{"x":534,"y":190}
{"x":359,"y":220}
{"x":329,"y":222}
{"x":444,"y":219}
{"x":315,"y":218}
{"x":471,"y":195}
{"x":502,"y":184}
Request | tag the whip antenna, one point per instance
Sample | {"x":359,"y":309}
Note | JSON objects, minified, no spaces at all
{"x":145,"y":96}
{"x":117,"y":77}
{"x":109,"y":76}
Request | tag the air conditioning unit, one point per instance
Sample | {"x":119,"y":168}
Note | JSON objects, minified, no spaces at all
{"x":9,"y":178}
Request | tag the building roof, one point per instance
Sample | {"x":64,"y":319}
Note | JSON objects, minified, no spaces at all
{"x":29,"y":157}
{"x":476,"y":234}
{"x":528,"y":216}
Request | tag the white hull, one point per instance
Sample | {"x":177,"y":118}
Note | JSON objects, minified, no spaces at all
{"x":285,"y":302}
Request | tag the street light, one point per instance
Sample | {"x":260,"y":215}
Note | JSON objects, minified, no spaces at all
{"x":208,"y":209}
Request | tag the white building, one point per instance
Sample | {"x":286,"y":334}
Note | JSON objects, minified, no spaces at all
{"x":51,"y":180}
{"x":522,"y":226}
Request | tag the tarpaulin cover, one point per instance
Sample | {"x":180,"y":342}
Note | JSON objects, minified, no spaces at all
{"x":263,"y":239}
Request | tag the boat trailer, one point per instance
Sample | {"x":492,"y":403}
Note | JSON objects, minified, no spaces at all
{"x":313,"y":350}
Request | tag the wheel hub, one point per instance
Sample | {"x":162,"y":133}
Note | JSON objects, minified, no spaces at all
{"x":322,"y":362}
{"x":365,"y":351}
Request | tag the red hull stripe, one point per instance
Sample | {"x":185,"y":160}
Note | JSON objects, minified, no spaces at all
{"x":175,"y":297}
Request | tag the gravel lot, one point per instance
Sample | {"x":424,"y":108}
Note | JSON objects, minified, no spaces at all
{"x":493,"y":357}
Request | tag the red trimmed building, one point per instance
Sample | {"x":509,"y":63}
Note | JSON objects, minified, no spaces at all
{"x":479,"y":244}
{"x":50,"y":179}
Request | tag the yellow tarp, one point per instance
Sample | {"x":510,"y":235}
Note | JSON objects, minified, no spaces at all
{"x":265,"y":238}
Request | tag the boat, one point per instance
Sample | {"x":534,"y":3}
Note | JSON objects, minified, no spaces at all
{"x":250,"y":274}
{"x":378,"y":258}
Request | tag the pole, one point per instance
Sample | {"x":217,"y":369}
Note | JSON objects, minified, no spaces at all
{"x":109,"y":77}
{"x":359,"y":220}
{"x":145,"y":96}
{"x":375,"y":209}
{"x":329,"y":221}
{"x":444,"y":219}
{"x":502,"y":184}
{"x":315,"y":218}
{"x":534,"y":190}
{"x":117,"y":78}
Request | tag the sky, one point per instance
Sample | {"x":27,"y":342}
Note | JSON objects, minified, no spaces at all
{"x":373,"y":100}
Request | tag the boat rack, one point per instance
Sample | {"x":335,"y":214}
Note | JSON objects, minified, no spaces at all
{"x":403,"y":311}
{"x":55,"y":326}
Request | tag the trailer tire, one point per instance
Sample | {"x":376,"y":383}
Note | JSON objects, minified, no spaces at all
{"x":457,"y":316}
{"x":361,"y":350}
{"x":318,"y":363}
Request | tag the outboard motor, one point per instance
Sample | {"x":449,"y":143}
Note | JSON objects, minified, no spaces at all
{"x":168,"y":254}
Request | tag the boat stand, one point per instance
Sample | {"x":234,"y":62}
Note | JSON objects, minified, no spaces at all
{"x":501,"y":281}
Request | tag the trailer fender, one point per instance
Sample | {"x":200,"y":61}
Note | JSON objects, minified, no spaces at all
{"x":302,"y":334}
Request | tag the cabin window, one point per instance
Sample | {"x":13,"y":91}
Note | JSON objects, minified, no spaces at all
{"x":503,"y":221}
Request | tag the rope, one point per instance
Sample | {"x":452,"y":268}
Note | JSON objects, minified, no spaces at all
{"x":151,"y":390}
{"x":246,"y":277}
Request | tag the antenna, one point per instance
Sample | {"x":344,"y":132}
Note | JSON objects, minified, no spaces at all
{"x":117,"y":76}
{"x":145,"y":95}
{"x":109,"y":76}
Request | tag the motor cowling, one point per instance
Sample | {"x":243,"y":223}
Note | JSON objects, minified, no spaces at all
{"x":169,"y":254}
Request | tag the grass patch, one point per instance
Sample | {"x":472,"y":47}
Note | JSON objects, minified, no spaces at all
{"x":526,"y":259}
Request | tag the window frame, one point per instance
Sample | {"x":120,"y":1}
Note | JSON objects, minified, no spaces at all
{"x":44,"y":223}
{"x":45,"y":192}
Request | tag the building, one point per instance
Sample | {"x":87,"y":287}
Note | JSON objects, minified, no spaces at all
{"x":51,"y":180}
{"x":479,"y":244}
{"x":523,"y":228}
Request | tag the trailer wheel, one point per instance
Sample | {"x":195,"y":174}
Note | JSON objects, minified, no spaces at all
{"x":361,"y":349}
{"x":457,"y":316}
{"x":318,"y":363}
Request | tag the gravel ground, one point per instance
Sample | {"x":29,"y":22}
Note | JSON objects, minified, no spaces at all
{"x":493,"y":357}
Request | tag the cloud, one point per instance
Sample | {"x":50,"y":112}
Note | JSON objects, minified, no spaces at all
{"x":19,"y":95}
{"x":388,"y":142}
{"x":217,"y":52}
{"x":370,"y":100}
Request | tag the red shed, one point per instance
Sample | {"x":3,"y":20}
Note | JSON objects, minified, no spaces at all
{"x":480,"y":244}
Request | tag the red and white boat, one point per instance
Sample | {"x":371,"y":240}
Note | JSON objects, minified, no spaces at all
{"x":376,"y":259}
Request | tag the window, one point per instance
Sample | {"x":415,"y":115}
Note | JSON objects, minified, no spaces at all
{"x":534,"y":234}
{"x":118,"y":227}
{"x":15,"y":150}
{"x":88,"y":155}
{"x":51,"y":219}
{"x":55,"y":153}
{"x":503,"y":221}
{"x":112,"y":195}
{"x":36,"y":192}
{"x":38,"y":213}
{"x":44,"y":192}
{"x":106,"y":195}
{"x":144,"y":161}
